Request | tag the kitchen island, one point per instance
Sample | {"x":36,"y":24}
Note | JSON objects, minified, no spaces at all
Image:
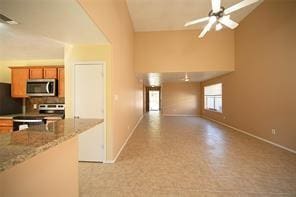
{"x":42,"y":160}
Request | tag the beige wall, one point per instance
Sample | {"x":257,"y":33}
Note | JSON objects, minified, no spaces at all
{"x":181,"y":98}
{"x":5,"y":74}
{"x":50,"y":173}
{"x":126,"y":96}
{"x":180,"y":51}
{"x":260,"y":95}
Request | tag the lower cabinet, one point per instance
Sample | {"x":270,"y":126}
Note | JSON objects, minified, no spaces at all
{"x":6,"y":125}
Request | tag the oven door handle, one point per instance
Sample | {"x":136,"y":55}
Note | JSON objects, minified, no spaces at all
{"x":26,"y":121}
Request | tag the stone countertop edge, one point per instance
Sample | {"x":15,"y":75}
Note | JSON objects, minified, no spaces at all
{"x":25,"y":155}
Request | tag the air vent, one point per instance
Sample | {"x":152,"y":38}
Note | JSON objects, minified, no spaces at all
{"x":7,"y":20}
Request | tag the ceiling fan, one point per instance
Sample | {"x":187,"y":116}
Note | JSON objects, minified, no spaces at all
{"x":220,"y":16}
{"x":186,"y":78}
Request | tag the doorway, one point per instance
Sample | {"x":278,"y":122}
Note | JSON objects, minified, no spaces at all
{"x":153,"y":99}
{"x":89,"y":103}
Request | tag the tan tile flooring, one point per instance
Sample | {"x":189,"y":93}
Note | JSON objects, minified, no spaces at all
{"x":191,"y":156}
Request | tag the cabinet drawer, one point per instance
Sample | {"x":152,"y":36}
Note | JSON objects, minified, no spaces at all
{"x":6,"y":129}
{"x":6,"y":123}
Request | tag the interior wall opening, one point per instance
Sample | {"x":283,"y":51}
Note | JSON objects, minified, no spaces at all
{"x":153,"y":99}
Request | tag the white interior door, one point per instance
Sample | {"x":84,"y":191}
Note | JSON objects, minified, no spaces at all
{"x":89,"y":103}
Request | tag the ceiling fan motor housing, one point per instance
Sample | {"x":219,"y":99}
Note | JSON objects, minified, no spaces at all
{"x":219,"y":14}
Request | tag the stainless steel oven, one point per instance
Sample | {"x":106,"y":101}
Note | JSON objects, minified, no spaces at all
{"x":42,"y":87}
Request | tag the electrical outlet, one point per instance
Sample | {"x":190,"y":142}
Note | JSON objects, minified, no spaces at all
{"x":34,"y":106}
{"x":273,"y":131}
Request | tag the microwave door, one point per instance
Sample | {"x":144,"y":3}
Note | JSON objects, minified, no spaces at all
{"x":40,"y":88}
{"x":36,"y":88}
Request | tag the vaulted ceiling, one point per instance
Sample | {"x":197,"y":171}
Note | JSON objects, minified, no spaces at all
{"x":167,"y":15}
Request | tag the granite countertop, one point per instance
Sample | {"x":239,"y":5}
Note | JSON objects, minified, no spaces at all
{"x":19,"y":146}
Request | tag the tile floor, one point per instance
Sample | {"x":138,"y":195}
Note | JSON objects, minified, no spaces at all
{"x":191,"y":156}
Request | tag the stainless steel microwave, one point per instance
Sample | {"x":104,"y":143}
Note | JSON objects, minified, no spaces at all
{"x":42,"y":87}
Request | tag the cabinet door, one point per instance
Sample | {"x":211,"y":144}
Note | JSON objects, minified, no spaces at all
{"x":19,"y":79}
{"x":36,"y":73}
{"x":61,"y":82}
{"x":50,"y":73}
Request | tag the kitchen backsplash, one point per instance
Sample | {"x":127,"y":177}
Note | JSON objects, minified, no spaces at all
{"x":41,"y":100}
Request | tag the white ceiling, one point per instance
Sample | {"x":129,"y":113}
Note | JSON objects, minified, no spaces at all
{"x":168,"y":15}
{"x":21,"y":45}
{"x":45,"y":26}
{"x":156,"y":79}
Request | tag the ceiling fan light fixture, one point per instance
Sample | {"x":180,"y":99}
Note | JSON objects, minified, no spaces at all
{"x":219,"y":27}
{"x":213,"y":19}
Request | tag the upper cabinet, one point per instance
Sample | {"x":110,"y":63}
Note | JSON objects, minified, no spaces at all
{"x":36,"y":73}
{"x":19,"y":77}
{"x":50,"y":73}
{"x":61,"y":82}
{"x":43,"y":73}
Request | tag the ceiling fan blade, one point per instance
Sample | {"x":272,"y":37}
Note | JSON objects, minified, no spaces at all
{"x":225,"y":20}
{"x":204,"y":31}
{"x":197,"y":21}
{"x":208,"y":27}
{"x":216,"y":5}
{"x":239,"y":6}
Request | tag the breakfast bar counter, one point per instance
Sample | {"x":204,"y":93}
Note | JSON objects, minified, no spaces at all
{"x":44,"y":155}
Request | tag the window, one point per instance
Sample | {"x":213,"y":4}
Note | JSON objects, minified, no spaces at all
{"x":213,"y":97}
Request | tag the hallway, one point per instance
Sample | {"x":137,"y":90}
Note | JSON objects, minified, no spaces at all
{"x":191,"y":156}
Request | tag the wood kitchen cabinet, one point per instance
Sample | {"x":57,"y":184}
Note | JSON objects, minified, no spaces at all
{"x":50,"y":73}
{"x":36,"y":73}
{"x":6,"y":125}
{"x":61,"y":82}
{"x":19,"y":77}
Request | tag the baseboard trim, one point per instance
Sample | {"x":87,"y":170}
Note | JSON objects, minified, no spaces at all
{"x":183,"y":115}
{"x":252,"y":135}
{"x":127,"y":139}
